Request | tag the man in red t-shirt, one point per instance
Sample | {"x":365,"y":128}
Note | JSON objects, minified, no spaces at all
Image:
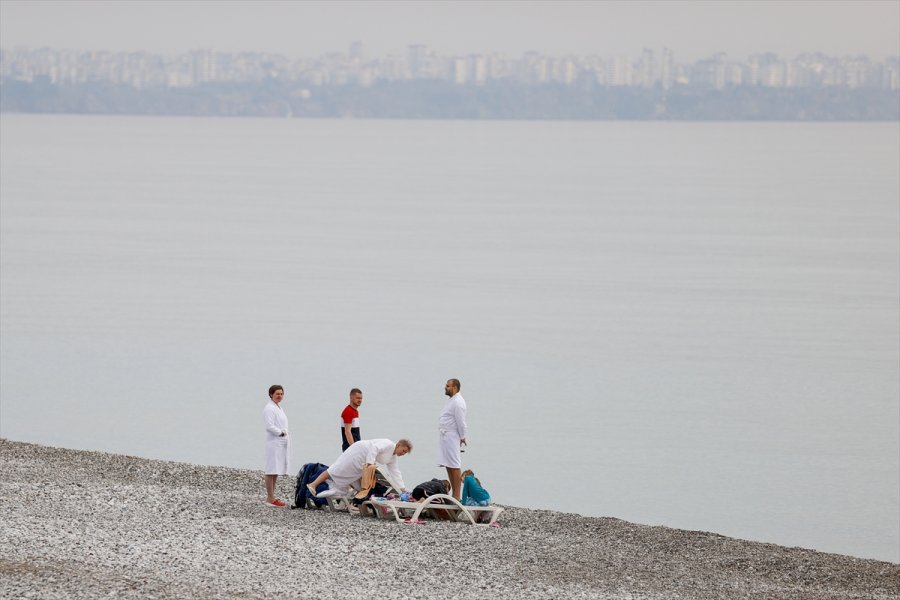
{"x":350,"y":420}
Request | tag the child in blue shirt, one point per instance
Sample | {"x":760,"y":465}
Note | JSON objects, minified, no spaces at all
{"x":472,"y":492}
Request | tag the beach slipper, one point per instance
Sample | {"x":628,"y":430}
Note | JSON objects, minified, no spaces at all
{"x":276,"y":503}
{"x":312,"y":490}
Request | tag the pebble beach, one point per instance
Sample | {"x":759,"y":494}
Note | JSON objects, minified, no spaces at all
{"x":78,"y":524}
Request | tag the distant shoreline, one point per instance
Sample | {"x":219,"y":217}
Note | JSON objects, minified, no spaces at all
{"x":83,"y":524}
{"x":446,"y":101}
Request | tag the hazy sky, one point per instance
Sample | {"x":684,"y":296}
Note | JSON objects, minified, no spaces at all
{"x":692,"y":29}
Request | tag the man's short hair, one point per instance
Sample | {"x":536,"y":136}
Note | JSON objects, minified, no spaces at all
{"x":273,"y":389}
{"x":456,"y":384}
{"x":355,"y":391}
{"x":405,"y":442}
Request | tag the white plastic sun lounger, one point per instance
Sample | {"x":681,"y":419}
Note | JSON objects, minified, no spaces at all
{"x":466,"y":514}
{"x":342,"y":502}
{"x":337,"y":501}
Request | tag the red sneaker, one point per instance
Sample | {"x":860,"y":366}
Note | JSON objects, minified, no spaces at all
{"x":277,"y":503}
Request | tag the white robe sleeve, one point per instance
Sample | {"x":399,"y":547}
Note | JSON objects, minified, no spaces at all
{"x":394,"y":470}
{"x":271,"y":420}
{"x":459,"y":415}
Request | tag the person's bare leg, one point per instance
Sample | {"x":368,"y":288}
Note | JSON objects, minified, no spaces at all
{"x":270,"y":488}
{"x":455,"y":477}
{"x":319,"y":480}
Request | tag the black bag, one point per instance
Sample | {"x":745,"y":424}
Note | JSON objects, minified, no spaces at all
{"x":429,"y":488}
{"x":306,"y":475}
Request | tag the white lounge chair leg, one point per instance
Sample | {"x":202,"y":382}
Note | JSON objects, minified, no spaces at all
{"x":397,"y":514}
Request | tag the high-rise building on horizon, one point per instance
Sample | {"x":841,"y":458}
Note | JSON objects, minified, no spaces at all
{"x":356,"y":52}
{"x":417,"y":55}
{"x":667,"y":68}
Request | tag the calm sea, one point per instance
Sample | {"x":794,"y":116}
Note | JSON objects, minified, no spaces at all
{"x":688,"y":324}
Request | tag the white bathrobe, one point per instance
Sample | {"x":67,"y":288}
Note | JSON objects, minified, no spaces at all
{"x":348,"y":467}
{"x":452,"y":429}
{"x":278,"y":447}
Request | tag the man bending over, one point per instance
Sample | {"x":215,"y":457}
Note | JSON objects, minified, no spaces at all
{"x":360,"y":458}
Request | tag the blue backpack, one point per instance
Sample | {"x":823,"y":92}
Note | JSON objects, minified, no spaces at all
{"x":306,"y":475}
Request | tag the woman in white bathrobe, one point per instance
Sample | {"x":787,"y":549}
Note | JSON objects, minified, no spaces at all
{"x":347,"y":469}
{"x":278,"y":443}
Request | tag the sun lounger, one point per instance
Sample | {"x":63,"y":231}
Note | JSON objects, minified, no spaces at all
{"x":343,"y":501}
{"x":338,"y":500}
{"x":402,"y":511}
{"x":384,"y":508}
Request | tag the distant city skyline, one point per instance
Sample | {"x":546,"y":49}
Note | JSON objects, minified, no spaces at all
{"x":693,"y":30}
{"x":141,"y":69}
{"x":424,"y":84}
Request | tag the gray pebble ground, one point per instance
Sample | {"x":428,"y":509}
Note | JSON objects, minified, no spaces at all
{"x":77,"y":524}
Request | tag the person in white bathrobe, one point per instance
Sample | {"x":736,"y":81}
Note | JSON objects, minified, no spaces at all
{"x":347,"y":469}
{"x":278,"y":443}
{"x":452,"y":431}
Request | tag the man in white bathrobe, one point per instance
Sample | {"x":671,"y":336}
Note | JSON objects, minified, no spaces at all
{"x":278,"y":443}
{"x":452,"y":430}
{"x":348,"y":468}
